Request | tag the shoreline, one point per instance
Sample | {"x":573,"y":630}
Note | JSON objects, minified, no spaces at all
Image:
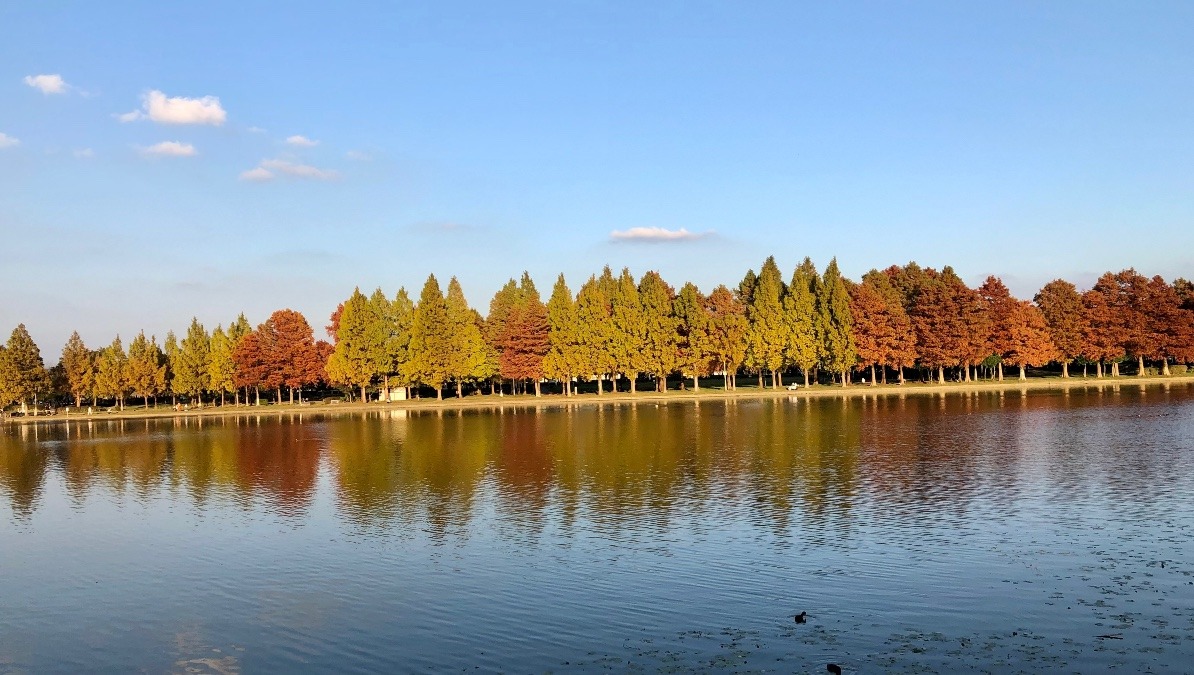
{"x":495,"y":402}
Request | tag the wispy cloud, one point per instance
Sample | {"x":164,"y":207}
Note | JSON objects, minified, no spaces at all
{"x":7,"y":141}
{"x":48,"y":84}
{"x":301,"y":141}
{"x":358,"y":156}
{"x":656,"y":234}
{"x":269,"y":169}
{"x":256,"y":130}
{"x":170,"y":149}
{"x":84,"y":153}
{"x":256,"y":175}
{"x":157,"y":107}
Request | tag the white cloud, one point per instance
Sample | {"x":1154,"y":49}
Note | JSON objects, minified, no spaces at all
{"x":84,"y":153}
{"x":256,"y":130}
{"x":301,"y":141}
{"x":48,"y":84}
{"x":298,"y":170}
{"x":257,"y":175}
{"x":358,"y":155}
{"x":271,"y":168}
{"x":7,"y":141}
{"x":159,"y":108}
{"x":656,"y":234}
{"x":170,"y":149}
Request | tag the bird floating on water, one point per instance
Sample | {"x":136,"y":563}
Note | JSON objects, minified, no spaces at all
{"x":834,"y":668}
{"x":801,"y":617}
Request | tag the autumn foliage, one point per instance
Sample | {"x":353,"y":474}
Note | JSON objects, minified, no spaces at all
{"x":617,"y":330}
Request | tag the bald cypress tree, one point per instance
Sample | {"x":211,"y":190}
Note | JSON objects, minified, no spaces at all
{"x":430,"y":339}
{"x":694,"y":334}
{"x":595,"y":330}
{"x":146,"y":368}
{"x":466,"y":360}
{"x":112,"y":373}
{"x":190,"y":375}
{"x":353,"y":360}
{"x":768,"y":333}
{"x":801,"y":320}
{"x":1061,"y":305}
{"x":661,"y":350}
{"x":79,"y":366}
{"x":630,"y":328}
{"x":728,"y":333}
{"x":402,"y":310}
{"x":24,"y":373}
{"x":237,"y":330}
{"x":562,"y":361}
{"x":833,"y":308}
{"x":221,"y":369}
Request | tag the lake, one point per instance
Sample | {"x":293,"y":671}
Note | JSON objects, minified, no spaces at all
{"x":980,"y":532}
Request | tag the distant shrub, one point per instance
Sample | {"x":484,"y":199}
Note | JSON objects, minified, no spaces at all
{"x":1179,"y":369}
{"x":1151,"y":372}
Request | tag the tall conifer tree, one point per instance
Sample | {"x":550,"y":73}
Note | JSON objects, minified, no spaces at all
{"x":801,"y":320}
{"x":630,"y":328}
{"x":430,"y":339}
{"x":146,"y":368}
{"x":112,"y":373}
{"x":221,"y":369}
{"x":768,"y":333}
{"x":833,"y":307}
{"x":358,"y":337}
{"x":190,"y":375}
{"x":25,"y":373}
{"x":562,"y":361}
{"x":1061,"y":305}
{"x":661,"y":350}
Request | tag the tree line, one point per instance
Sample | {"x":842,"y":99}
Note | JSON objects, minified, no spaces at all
{"x":616,"y":331}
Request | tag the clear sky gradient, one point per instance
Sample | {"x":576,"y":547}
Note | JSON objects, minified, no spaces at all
{"x":478,"y":139}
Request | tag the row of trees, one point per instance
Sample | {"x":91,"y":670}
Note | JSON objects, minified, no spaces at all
{"x":281,"y":352}
{"x":617,"y":330}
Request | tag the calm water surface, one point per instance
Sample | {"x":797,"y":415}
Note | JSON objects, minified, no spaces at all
{"x":966,"y":533}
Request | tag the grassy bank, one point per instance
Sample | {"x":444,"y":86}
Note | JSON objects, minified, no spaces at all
{"x":491,"y":402}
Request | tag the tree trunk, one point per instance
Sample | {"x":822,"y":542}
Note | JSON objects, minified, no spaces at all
{"x":696,"y":382}
{"x":538,"y":388}
{"x":1115,"y":369}
{"x":1165,"y":366}
{"x":1023,"y":376}
{"x":761,"y":379}
{"x":459,"y":389}
{"x":873,"y":383}
{"x":1065,"y":369}
{"x":257,"y":391}
{"x":439,"y":393}
{"x":900,"y":369}
{"x":291,"y":392}
{"x":999,"y":369}
{"x":633,"y":377}
{"x":1139,"y":366}
{"x":845,"y":378}
{"x":941,"y":374}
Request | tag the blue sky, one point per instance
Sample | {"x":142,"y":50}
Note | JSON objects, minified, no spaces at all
{"x":1029,"y":140}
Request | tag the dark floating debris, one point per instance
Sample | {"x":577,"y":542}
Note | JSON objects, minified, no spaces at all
{"x":834,"y":668}
{"x":1111,"y":636}
{"x":801,"y":617}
